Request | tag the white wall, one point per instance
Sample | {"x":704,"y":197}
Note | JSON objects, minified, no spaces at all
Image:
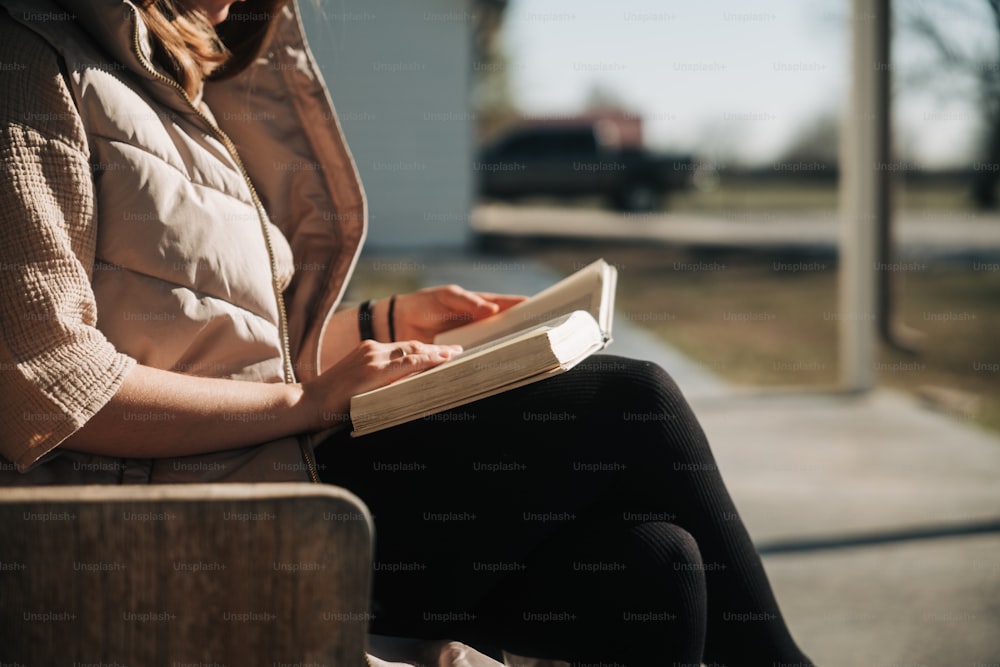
{"x":399,"y":73}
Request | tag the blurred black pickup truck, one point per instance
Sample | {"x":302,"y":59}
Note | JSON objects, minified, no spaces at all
{"x":576,"y":160}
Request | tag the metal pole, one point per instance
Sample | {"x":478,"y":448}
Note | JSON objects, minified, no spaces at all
{"x":864,"y":195}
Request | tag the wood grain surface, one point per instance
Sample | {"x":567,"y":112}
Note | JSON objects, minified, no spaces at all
{"x":200,"y":574}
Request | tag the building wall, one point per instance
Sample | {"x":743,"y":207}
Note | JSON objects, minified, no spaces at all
{"x":399,"y":74}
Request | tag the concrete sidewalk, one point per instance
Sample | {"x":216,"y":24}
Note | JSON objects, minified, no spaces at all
{"x":878,"y":520}
{"x":919,"y":236}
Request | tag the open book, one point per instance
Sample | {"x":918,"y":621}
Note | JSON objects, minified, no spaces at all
{"x":542,"y":336}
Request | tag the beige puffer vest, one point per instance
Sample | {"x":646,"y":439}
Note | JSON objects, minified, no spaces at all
{"x":206,"y":211}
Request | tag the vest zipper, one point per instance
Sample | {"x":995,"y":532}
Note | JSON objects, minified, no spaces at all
{"x":286,"y":350}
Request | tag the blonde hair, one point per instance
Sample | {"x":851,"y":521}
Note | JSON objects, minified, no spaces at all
{"x":194,"y":50}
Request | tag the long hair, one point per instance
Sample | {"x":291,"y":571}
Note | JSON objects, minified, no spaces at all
{"x":193,"y":50}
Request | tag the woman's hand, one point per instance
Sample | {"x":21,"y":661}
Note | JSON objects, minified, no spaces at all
{"x":369,"y":366}
{"x":197,"y":415}
{"x":416,"y":316}
{"x":423,"y":314}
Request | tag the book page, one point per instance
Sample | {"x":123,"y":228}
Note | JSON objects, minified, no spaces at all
{"x":458,"y":402}
{"x":589,"y":289}
{"x":492,"y":347}
{"x":492,"y":368}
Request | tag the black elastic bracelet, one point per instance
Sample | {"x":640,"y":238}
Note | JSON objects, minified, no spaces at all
{"x":365,"y":326}
{"x":392,"y":318}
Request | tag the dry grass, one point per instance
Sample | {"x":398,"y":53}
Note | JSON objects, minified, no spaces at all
{"x":756,"y":321}
{"x":741,"y":193}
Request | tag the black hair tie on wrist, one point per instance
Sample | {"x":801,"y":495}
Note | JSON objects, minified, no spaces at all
{"x":365,"y":326}
{"x":392,"y":318}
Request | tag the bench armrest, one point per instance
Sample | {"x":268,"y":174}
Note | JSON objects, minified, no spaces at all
{"x":241,"y":574}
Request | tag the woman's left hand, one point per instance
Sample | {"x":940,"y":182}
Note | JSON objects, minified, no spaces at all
{"x":423,"y":314}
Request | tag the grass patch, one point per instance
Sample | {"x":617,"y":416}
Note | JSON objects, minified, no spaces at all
{"x":957,"y":309}
{"x":377,"y":277}
{"x":775,"y":195}
{"x":757,"y":321}
{"x":734,"y":314}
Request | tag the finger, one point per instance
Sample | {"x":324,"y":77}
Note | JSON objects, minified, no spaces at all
{"x":375,"y":364}
{"x":416,"y":355}
{"x":462,"y":300}
{"x":503,"y":301}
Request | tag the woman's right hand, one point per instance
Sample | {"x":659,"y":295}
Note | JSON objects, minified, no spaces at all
{"x":369,"y":366}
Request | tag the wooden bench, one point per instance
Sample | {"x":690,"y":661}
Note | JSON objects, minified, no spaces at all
{"x":175,"y":576}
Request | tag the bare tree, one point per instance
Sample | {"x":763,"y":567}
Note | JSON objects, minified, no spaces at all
{"x":961,"y":58}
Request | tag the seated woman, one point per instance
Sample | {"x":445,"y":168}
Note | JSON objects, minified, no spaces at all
{"x":171,"y":313}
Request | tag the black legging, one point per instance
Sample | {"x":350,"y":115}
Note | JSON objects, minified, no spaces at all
{"x":580,"y":518}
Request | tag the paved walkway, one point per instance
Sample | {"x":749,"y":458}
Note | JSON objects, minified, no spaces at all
{"x":879,"y":520}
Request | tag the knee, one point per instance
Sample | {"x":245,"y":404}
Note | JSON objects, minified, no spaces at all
{"x":668,"y":545}
{"x":642,"y":388}
{"x":636,"y":372}
{"x":653,"y":380}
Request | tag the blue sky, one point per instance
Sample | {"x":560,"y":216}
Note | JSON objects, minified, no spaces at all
{"x":734,"y":80}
